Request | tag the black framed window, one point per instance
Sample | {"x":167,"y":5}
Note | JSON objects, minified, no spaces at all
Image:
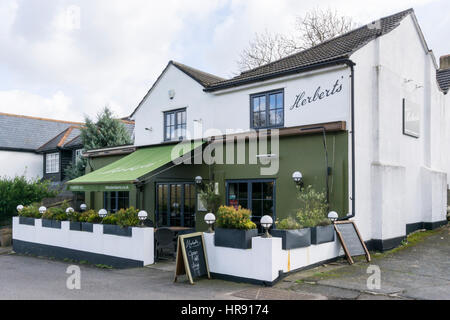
{"x":115,"y":200}
{"x":175,"y":124}
{"x":176,"y":204}
{"x":267,"y":109}
{"x":256,"y":195}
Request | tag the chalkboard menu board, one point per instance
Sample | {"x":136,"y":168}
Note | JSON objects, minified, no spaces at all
{"x":191,"y":257}
{"x":351,"y":240}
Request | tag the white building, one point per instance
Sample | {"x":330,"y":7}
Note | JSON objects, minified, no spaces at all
{"x":376,"y":84}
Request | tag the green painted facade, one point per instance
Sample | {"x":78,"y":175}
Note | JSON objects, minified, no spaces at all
{"x":304,"y":153}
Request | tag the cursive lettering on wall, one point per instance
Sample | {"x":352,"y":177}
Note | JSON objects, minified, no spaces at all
{"x":302,"y":99}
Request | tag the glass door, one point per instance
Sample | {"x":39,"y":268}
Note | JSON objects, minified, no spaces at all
{"x":176,"y":204}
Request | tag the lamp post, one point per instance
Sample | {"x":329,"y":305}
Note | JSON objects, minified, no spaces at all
{"x":298,"y":178}
{"x":142,"y":215}
{"x":42,"y":210}
{"x":266,"y":222}
{"x":210,"y":218}
{"x":198,"y":180}
{"x":102,"y":213}
{"x":19,"y":208}
{"x":83,"y":207}
{"x":333,"y":216}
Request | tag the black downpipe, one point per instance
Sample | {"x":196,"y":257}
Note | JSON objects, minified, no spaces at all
{"x":351,"y":64}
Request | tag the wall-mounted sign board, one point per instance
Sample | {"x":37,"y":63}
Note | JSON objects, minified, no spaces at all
{"x":351,"y":240}
{"x":191,"y":257}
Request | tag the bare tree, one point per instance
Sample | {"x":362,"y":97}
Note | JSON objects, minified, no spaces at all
{"x":311,"y":29}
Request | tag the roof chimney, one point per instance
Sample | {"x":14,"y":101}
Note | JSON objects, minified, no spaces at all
{"x":444,"y":62}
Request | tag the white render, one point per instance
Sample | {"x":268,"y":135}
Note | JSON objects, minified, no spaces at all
{"x":138,"y":247}
{"x":400,"y":179}
{"x":18,"y":163}
{"x":266,"y":258}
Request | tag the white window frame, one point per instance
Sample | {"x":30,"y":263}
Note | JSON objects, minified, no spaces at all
{"x":52,"y":162}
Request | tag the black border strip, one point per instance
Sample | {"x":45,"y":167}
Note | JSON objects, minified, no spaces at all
{"x":31,"y":248}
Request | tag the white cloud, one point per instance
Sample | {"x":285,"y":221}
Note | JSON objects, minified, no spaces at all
{"x":121,"y":46}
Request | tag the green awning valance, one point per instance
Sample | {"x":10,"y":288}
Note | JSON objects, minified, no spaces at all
{"x":122,"y":174}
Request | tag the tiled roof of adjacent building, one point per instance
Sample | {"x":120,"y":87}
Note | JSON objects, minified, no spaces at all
{"x":443,"y":78}
{"x":61,"y":139}
{"x":18,"y":132}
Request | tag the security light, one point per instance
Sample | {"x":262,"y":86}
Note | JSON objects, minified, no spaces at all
{"x":42,"y":210}
{"x":142,"y":215}
{"x":298,"y":178}
{"x":333,"y":216}
{"x":210,"y":218}
{"x":19,"y":207}
{"x":171,"y":94}
{"x":266,"y":223}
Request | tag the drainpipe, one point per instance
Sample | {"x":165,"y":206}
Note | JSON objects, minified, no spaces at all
{"x":351,"y":65}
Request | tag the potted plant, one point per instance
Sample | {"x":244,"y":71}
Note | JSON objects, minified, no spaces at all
{"x":47,"y":218}
{"x":88,"y":219}
{"x":75,"y":223}
{"x":314,"y":214}
{"x":125,"y":219}
{"x":234,"y":228}
{"x":292,"y":234}
{"x":28,"y":214}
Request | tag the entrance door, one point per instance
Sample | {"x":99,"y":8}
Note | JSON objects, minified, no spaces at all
{"x":175,"y":204}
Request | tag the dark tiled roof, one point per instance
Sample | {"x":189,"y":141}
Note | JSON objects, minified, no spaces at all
{"x":204,"y":78}
{"x":340,"y":47}
{"x":19,"y":132}
{"x":443,"y":78}
{"x":60,"y":140}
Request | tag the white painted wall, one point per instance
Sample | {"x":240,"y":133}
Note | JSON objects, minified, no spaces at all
{"x":266,"y":258}
{"x":138,"y":247}
{"x":230,"y":109}
{"x":399,"y":179}
{"x":15,"y":163}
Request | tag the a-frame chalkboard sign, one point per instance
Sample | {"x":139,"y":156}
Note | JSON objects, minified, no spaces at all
{"x":191,"y":257}
{"x":351,"y":240}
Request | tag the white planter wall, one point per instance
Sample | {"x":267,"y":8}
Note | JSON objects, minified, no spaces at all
{"x":266,"y":258}
{"x":139,"y":247}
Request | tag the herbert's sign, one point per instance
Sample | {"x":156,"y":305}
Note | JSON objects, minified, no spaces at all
{"x":304,"y":98}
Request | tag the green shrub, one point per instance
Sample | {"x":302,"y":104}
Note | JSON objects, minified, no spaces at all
{"x":209,"y":197}
{"x":84,"y":216}
{"x":314,"y":209}
{"x":75,"y":216}
{"x":31,"y":211}
{"x":127,"y":217}
{"x":288,"y":223}
{"x":20,"y":190}
{"x":110,"y":219}
{"x":93,"y":217}
{"x":230,"y":218}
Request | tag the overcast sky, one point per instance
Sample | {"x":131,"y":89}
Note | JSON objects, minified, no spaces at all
{"x":55,"y":65}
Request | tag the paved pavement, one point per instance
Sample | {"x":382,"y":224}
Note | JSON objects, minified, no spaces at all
{"x":417,"y":272}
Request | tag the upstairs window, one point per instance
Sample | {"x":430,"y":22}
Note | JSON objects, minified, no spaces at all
{"x":175,"y":125}
{"x":267,"y":110}
{"x":52,"y":162}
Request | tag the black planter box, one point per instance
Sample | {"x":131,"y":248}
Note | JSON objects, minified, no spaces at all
{"x":75,"y":226}
{"x":26,"y":220}
{"x":322,"y":234}
{"x":116,"y":230}
{"x":234,"y":238}
{"x":87,"y":226}
{"x":292,"y":239}
{"x":51,"y":224}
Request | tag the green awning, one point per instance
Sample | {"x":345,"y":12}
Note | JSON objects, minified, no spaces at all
{"x":122,"y":174}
